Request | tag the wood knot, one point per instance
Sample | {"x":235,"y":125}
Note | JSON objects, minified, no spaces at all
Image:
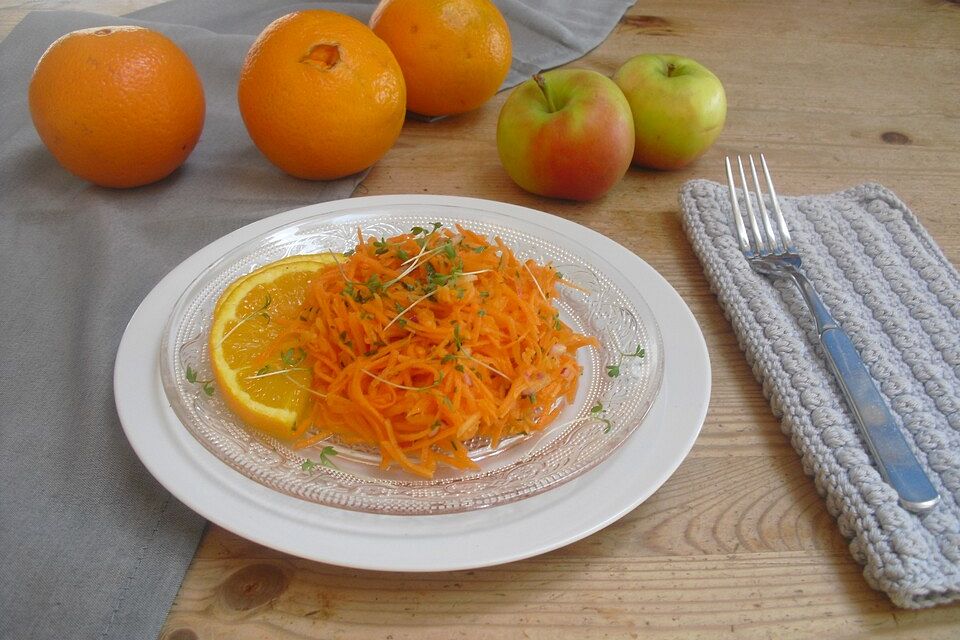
{"x":895,"y":137}
{"x":651,"y":25}
{"x":181,"y":634}
{"x":252,"y":586}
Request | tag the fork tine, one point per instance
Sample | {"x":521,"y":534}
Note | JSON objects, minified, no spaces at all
{"x":764,"y":216}
{"x":737,"y":216}
{"x":761,"y":247}
{"x":781,"y":223}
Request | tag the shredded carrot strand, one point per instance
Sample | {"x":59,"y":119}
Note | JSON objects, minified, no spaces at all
{"x":420,"y":342}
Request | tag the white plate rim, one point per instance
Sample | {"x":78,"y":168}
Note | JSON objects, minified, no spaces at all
{"x":424,"y":542}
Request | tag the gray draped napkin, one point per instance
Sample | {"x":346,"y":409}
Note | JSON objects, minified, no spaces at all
{"x":898,"y":297}
{"x":92,"y":546}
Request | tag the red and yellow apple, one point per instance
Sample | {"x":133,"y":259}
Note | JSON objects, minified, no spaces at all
{"x":566,"y":133}
{"x":678,"y":106}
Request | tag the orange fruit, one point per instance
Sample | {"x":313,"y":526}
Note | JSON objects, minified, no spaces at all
{"x":264,"y":379}
{"x":454,"y":53}
{"x":322,"y":97}
{"x":118,"y":106}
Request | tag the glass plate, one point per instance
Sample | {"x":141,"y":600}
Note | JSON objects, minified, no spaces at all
{"x":578,"y":440}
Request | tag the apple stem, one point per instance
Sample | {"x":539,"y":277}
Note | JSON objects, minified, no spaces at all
{"x":543,"y":89}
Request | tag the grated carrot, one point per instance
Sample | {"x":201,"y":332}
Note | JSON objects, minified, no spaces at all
{"x":421,"y":342}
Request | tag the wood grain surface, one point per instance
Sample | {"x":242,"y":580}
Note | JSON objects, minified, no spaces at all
{"x":737,"y":543}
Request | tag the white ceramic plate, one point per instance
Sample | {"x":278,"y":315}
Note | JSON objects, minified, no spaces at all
{"x":425,"y":542}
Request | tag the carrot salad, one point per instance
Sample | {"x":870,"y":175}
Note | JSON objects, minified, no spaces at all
{"x":420,"y":342}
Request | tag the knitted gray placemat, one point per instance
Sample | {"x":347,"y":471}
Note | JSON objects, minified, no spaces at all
{"x":898,"y":297}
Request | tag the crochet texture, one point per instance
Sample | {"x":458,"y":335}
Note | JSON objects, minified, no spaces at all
{"x":898,"y":298}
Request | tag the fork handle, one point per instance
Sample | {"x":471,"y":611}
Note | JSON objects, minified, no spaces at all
{"x":896,"y":462}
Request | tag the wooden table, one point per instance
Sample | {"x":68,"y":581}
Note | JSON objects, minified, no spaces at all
{"x":737,"y":542}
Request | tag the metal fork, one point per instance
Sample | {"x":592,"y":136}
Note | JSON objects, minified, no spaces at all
{"x":777,"y":257}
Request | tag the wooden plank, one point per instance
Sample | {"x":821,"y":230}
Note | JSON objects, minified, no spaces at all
{"x":747,"y":595}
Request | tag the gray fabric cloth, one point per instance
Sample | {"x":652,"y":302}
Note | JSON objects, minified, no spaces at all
{"x":898,"y":297}
{"x":92,"y":546}
{"x":545,"y":33}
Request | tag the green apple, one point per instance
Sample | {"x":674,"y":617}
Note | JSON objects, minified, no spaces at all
{"x":566,"y":133}
{"x":678,"y":106}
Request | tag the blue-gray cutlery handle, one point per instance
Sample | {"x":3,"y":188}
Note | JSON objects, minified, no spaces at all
{"x":896,"y":462}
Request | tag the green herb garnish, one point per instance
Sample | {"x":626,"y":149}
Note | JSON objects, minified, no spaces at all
{"x":293,"y":356}
{"x":325,"y":454}
{"x":191,"y":375}
{"x":613,"y":370}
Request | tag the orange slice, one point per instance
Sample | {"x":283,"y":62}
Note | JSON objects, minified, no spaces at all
{"x":263,"y":377}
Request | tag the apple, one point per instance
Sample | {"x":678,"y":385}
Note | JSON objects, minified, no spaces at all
{"x":678,"y":106}
{"x":566,"y":133}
